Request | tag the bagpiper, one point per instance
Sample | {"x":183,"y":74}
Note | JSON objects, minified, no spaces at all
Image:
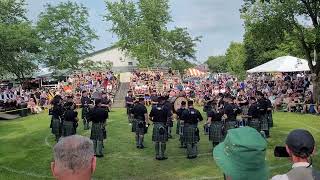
{"x":180,"y":124}
{"x":56,"y":120}
{"x":191,"y":118}
{"x":169,"y":105}
{"x":98,"y":116}
{"x":253,"y":114}
{"x":263,"y":118}
{"x":159,"y":116}
{"x":70,"y":118}
{"x":230,"y":115}
{"x":85,"y":104}
{"x":140,"y":115}
{"x":215,"y":124}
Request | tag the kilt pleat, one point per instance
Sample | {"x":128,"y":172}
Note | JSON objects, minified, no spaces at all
{"x":134,"y":125}
{"x":97,"y":132}
{"x":264,"y":122}
{"x":190,"y":134}
{"x":139,"y":130}
{"x":230,"y":125}
{"x":156,"y":136}
{"x":216,"y":132}
{"x":255,"y":123}
{"x":178,"y":128}
{"x":56,"y":126}
{"x":68,"y":128}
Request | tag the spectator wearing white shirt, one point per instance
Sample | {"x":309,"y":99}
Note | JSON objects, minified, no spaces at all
{"x":300,"y":146}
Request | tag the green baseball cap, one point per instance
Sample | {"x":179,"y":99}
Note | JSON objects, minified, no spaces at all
{"x":242,"y":155}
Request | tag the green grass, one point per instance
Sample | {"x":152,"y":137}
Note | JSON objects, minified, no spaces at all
{"x":25,"y":154}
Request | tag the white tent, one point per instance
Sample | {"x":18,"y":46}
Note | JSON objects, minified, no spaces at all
{"x":282,"y":64}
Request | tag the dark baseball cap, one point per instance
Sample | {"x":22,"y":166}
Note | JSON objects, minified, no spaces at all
{"x":300,"y":142}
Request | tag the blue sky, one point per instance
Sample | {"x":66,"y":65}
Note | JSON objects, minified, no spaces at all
{"x":217,"y":21}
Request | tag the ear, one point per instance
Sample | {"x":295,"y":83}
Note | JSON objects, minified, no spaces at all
{"x":314,"y":150}
{"x":93,"y":164}
{"x":288,"y":150}
{"x":53,"y":169}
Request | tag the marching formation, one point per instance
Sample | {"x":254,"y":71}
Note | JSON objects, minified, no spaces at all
{"x":64,"y":121}
{"x":224,"y":112}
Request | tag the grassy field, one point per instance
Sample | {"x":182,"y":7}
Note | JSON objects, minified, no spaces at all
{"x":26,"y":150}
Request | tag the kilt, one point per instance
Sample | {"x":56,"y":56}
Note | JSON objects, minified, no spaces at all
{"x":178,"y":127}
{"x":97,"y":131}
{"x":191,"y":134}
{"x":156,"y":136}
{"x":56,"y":126}
{"x":264,"y":122}
{"x":244,"y":109}
{"x":216,"y":132}
{"x":134,"y":125}
{"x":85,"y":112}
{"x":230,"y":125}
{"x":270,"y":119}
{"x":68,"y":128}
{"x":255,"y":123}
{"x":140,"y":127}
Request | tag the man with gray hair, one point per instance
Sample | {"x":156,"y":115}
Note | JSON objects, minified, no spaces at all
{"x":73,"y":158}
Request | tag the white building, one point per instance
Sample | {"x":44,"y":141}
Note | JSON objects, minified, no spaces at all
{"x":118,"y":58}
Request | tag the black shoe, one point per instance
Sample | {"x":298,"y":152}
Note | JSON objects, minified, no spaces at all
{"x":142,"y":147}
{"x":99,"y":156}
{"x":192,"y":157}
{"x":163,"y":158}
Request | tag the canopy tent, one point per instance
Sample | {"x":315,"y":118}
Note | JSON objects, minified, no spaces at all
{"x":282,"y":64}
{"x":195,"y":72}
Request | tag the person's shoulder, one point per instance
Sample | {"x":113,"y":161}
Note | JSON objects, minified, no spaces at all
{"x":280,"y":177}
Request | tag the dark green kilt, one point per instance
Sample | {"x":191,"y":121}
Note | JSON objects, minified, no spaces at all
{"x":216,"y":132}
{"x":156,"y":135}
{"x":97,"y":131}
{"x":230,"y":125}
{"x":56,"y":126}
{"x":270,"y":119}
{"x":68,"y":128}
{"x":85,"y":112}
{"x":140,"y":127}
{"x":255,"y":123}
{"x":191,"y":134}
{"x":178,"y":127}
{"x":134,"y":125}
{"x":264,"y":122}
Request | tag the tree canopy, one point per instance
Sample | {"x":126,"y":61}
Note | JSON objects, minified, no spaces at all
{"x":142,"y":31}
{"x":217,"y":64}
{"x":274,"y":22}
{"x":66,"y":35}
{"x":18,"y":41}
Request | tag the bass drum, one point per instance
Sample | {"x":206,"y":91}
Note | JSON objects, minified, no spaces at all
{"x":177,"y":103}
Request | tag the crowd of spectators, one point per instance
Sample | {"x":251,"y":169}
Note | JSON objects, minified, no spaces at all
{"x":35,"y":100}
{"x":290,"y":92}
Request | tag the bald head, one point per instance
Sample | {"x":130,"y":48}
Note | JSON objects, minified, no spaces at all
{"x":73,"y":157}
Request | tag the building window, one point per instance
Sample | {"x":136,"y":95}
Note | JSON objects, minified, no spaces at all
{"x":130,"y":63}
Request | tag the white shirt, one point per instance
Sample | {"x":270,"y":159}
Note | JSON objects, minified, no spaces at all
{"x":284,"y":176}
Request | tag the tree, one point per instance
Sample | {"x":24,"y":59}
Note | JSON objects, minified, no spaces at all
{"x":236,"y":57}
{"x":273,"y":20}
{"x":18,"y":41}
{"x":66,"y":34}
{"x":142,"y":31}
{"x":217,"y":64}
{"x":12,"y":11}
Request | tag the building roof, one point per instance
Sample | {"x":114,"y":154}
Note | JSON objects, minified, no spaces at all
{"x":100,"y":51}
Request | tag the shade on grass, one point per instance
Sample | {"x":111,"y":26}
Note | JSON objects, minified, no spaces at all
{"x":26,"y":152}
